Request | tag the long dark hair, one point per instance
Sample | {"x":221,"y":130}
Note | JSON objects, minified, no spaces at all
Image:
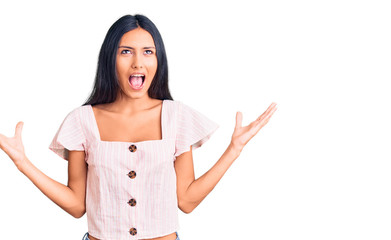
{"x":106,"y":82}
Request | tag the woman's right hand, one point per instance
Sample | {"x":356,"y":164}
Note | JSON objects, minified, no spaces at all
{"x":13,"y":146}
{"x":71,"y":198}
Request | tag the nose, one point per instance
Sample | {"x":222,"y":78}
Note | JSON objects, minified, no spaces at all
{"x":137,"y":62}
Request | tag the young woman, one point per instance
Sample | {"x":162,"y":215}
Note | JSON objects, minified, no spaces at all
{"x":129,"y":147}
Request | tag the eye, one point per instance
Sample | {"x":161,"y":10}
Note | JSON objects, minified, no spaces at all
{"x":148,"y":52}
{"x":126,"y":51}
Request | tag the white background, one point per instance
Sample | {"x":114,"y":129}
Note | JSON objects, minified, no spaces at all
{"x":319,"y":170}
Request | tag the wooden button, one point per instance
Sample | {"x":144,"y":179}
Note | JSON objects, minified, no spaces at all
{"x":132,"y":202}
{"x":132,"y":174}
{"x":132,"y":148}
{"x":133,"y":231}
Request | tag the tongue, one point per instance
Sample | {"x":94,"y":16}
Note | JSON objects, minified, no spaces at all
{"x":136,"y":82}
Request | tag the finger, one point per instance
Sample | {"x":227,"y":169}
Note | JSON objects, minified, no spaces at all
{"x":239,"y":118}
{"x":262,"y":122}
{"x":18,"y":130}
{"x":265,"y":112}
{"x":271,"y":112}
{"x":266,"y":119}
{"x":271,"y":108}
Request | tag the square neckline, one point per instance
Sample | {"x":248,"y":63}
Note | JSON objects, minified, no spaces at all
{"x":97,"y":133}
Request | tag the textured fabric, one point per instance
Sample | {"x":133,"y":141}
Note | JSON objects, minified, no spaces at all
{"x":193,"y":128}
{"x":132,"y":184}
{"x":85,"y":237}
{"x":70,"y":136}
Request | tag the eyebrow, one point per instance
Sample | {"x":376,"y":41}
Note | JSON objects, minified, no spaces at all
{"x":133,"y":48}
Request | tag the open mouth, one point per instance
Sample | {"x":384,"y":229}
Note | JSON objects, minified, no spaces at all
{"x":136,"y":81}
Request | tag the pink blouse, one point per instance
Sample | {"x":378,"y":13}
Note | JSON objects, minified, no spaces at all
{"x":131,"y":186}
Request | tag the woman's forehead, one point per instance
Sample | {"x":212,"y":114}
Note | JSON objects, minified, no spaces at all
{"x":137,"y":38}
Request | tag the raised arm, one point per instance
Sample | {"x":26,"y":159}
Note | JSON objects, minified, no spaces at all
{"x":191,"y":192}
{"x":71,"y":198}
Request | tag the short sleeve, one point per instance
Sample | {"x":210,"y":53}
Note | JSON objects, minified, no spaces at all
{"x":193,"y":129}
{"x":69,"y":136}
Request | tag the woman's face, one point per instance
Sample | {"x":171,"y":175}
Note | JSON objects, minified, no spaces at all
{"x":136,"y":63}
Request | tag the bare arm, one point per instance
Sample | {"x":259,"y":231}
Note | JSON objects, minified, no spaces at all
{"x":191,"y":192}
{"x":71,"y":198}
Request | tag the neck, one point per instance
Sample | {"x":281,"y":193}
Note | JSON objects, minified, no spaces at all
{"x":127,"y":105}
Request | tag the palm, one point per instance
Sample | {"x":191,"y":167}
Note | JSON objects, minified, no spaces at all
{"x":242,"y":135}
{"x":13,"y":146}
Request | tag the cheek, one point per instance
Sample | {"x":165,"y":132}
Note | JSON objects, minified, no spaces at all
{"x":121,"y":66}
{"x":152,"y":65}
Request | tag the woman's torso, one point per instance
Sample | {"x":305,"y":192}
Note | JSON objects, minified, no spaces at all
{"x":143,"y":127}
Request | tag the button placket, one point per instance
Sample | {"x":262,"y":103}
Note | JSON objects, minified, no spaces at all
{"x":132,"y":202}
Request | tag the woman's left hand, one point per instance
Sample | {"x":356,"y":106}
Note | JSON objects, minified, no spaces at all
{"x":242,"y":135}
